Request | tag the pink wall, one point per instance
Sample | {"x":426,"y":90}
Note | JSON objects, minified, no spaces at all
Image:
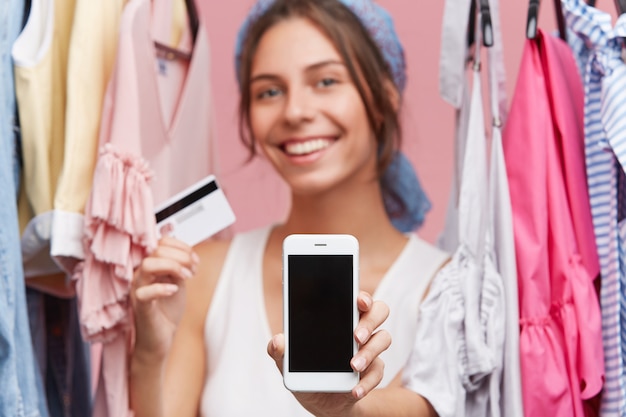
{"x":257,"y":194}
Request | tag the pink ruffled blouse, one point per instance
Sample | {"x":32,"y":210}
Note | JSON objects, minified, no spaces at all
{"x":156,"y":139}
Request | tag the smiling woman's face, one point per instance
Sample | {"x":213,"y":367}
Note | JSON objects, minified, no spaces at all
{"x":306,"y":114}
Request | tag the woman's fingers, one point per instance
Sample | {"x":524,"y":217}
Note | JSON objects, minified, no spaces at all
{"x":276,"y":349}
{"x":155,"y":291}
{"x":370,"y":320}
{"x":172,"y":258}
{"x":372,"y":343}
{"x":370,"y":379}
{"x":155,"y":267}
{"x":377,"y":344}
{"x":364,"y":301}
{"x":178,"y":251}
{"x":167,"y":241}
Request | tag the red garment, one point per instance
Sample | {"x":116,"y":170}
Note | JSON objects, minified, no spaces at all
{"x":561,"y":351}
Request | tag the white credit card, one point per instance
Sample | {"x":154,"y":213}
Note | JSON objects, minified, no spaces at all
{"x":196,"y":213}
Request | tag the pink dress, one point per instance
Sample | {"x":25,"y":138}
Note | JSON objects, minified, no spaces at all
{"x":155,"y":140}
{"x":561,"y":350}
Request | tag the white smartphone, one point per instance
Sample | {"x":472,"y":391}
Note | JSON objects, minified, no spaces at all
{"x":320,"y":314}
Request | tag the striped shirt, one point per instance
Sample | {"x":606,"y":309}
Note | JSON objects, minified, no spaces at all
{"x":604,"y":76}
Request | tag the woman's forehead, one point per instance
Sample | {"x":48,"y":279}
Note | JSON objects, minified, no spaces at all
{"x":293,"y":44}
{"x":375,"y":19}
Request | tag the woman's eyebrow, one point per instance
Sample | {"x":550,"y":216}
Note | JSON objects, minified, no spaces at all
{"x":309,"y":68}
{"x":321,"y":64}
{"x":261,"y":77}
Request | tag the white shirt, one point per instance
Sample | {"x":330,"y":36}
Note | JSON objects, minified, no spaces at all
{"x":242,"y":379}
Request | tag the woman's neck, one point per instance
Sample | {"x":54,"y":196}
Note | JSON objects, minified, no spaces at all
{"x":356,"y":210}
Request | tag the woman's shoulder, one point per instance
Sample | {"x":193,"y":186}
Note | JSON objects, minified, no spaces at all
{"x":201,"y":287}
{"x":213,"y":252}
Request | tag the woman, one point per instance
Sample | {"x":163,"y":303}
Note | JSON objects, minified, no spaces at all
{"x":320,"y":93}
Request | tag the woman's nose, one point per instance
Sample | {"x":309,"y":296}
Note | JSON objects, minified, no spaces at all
{"x":299,"y":106}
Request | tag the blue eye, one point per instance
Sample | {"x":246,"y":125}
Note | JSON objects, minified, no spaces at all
{"x":327,"y":82}
{"x":269,"y":93}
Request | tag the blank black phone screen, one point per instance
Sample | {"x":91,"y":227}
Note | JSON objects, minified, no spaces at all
{"x":320,"y":313}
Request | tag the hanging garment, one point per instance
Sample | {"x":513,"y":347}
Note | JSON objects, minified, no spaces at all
{"x":505,"y":395}
{"x":580,"y":50}
{"x":604,"y":74}
{"x":453,"y":88}
{"x":92,"y":49}
{"x":21,"y":389}
{"x":63,"y":357}
{"x":155,"y":140}
{"x":448,"y":239}
{"x":240,"y":288}
{"x":152,"y":155}
{"x":560,"y":340}
{"x":501,"y":233}
{"x":40,"y":55}
{"x":41,"y":59}
{"x":462,"y":318}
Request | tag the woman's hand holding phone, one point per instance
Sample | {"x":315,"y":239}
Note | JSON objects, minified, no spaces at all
{"x":158,"y":295}
{"x":372,"y":343}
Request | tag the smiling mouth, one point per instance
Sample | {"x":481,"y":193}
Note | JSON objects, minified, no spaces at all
{"x":306,"y":147}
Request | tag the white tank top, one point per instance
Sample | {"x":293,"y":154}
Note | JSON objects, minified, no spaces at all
{"x":242,"y":380}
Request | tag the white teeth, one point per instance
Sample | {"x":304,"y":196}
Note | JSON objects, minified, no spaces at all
{"x":303,"y":148}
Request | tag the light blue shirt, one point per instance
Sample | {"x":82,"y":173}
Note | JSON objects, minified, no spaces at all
{"x":21,"y":393}
{"x":604,"y":76}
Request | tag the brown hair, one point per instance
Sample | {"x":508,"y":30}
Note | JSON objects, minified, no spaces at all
{"x":371,"y":74}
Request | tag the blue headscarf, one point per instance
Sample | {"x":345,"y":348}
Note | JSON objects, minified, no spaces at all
{"x":405,"y":201}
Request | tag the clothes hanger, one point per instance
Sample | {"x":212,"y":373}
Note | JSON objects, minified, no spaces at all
{"x":485,"y":20}
{"x":27,"y":6}
{"x":533,"y":17}
{"x":170,"y":52}
{"x":620,"y":5}
{"x":486,"y":26}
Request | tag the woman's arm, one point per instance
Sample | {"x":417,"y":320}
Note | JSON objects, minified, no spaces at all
{"x":168,"y":362}
{"x":172,"y":385}
{"x":393,"y":401}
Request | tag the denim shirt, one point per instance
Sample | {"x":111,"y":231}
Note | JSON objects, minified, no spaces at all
{"x":21,"y":392}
